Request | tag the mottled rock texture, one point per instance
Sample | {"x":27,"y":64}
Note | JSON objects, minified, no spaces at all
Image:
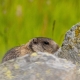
{"x":70,"y":48}
{"x":38,"y":66}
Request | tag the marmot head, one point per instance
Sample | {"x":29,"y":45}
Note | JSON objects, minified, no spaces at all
{"x":42,"y":44}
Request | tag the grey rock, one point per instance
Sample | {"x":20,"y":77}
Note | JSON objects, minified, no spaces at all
{"x":70,"y":48}
{"x":38,"y":66}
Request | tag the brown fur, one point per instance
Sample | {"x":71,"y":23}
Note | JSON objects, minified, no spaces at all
{"x":39,"y":44}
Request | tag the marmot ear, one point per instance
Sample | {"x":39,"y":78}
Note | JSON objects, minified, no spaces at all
{"x":35,"y":41}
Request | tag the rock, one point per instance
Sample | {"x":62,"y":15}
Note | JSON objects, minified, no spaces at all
{"x":70,"y":48}
{"x":38,"y":66}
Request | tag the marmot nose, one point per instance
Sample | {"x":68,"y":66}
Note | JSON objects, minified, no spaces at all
{"x":35,"y":41}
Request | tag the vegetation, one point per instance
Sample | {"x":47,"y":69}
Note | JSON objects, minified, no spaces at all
{"x":21,"y":20}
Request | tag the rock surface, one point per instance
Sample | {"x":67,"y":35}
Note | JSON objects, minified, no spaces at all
{"x":70,"y":48}
{"x":38,"y":66}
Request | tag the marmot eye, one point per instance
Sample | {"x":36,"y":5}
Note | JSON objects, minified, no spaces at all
{"x":45,"y":42}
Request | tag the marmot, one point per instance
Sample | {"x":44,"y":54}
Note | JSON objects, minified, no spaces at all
{"x":38,"y":44}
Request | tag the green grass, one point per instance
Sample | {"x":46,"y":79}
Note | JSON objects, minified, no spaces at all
{"x":21,"y":20}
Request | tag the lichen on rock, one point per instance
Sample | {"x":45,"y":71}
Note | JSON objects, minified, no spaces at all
{"x":43,"y":66}
{"x":70,"y":48}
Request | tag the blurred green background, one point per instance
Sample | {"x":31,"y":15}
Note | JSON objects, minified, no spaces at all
{"x":21,"y":20}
